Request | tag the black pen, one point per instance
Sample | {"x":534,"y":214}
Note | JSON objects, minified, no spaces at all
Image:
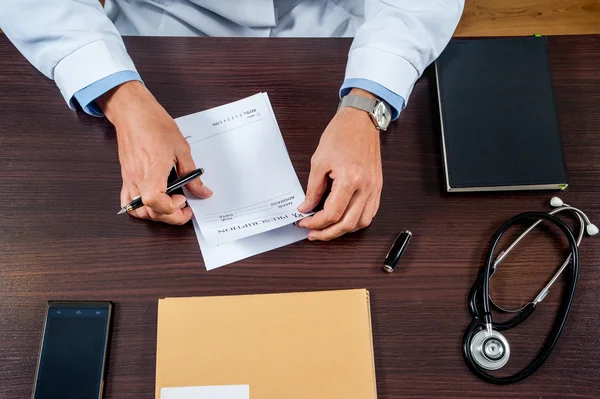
{"x":181,"y":181}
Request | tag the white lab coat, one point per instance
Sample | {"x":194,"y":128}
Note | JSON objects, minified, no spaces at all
{"x":77,"y":42}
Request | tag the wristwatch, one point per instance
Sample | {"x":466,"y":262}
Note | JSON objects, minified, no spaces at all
{"x":380,"y":112}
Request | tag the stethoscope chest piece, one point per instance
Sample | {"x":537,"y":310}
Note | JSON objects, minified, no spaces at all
{"x":490,"y":350}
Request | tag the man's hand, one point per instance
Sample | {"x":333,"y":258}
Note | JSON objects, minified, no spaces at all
{"x":348,"y":153}
{"x":150,"y":144}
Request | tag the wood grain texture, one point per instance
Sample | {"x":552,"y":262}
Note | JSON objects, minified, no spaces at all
{"x":529,"y":17}
{"x":60,"y":237}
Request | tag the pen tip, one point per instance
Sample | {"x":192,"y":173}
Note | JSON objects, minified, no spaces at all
{"x":122,"y":211}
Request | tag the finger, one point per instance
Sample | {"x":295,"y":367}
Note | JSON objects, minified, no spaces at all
{"x":317,"y":184}
{"x":336,"y":204}
{"x":180,"y":217}
{"x":140,"y":213}
{"x":179,"y":200}
{"x":371,"y":208}
{"x":153,"y":191}
{"x":147,"y":213}
{"x":126,"y":196}
{"x":185,"y":164}
{"x":346,"y":224}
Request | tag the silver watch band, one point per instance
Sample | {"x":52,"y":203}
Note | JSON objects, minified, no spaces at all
{"x":360,"y":102}
{"x":378,"y":110}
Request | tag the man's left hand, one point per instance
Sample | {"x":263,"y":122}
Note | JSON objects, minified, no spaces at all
{"x":349,"y":153}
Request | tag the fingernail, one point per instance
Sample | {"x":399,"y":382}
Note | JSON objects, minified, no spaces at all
{"x":311,"y":238}
{"x":301,"y":208}
{"x":209,"y":192}
{"x":182,"y":204}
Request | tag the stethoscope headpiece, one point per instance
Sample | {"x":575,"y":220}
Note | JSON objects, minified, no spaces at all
{"x":590,"y":228}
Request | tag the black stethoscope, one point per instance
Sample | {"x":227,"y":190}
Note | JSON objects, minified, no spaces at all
{"x":484,"y":347}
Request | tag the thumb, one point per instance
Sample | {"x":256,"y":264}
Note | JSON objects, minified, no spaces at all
{"x":185,"y":164}
{"x":152,"y":189}
{"x":317,"y":184}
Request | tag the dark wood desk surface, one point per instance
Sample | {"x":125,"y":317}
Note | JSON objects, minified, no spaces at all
{"x":60,"y":237}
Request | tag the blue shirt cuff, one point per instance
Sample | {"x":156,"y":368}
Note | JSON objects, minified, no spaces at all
{"x":395,"y":101}
{"x":86,"y":97}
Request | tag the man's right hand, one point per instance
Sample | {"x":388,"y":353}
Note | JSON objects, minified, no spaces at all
{"x":150,"y":144}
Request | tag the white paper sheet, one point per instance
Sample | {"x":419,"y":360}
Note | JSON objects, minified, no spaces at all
{"x":216,"y":255}
{"x":246,"y":164}
{"x":207,"y":392}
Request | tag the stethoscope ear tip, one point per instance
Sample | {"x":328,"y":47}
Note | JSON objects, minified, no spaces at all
{"x":556,"y":202}
{"x":591,"y":229}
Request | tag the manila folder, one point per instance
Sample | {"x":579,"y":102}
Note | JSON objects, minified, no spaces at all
{"x":315,"y":345}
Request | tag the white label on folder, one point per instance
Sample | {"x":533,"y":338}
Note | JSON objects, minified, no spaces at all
{"x":207,"y":392}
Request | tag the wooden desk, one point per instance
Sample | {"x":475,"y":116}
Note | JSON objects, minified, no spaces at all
{"x":60,"y":237}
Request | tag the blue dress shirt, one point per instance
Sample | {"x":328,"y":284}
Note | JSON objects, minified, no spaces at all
{"x":87,"y":96}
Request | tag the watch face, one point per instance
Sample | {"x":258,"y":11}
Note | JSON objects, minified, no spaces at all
{"x":382,"y":115}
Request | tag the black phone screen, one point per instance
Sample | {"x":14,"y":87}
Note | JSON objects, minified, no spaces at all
{"x":72,"y":356}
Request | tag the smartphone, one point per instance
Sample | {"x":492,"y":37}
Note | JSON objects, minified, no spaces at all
{"x":73,"y":353}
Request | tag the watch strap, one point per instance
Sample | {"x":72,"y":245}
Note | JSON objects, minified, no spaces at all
{"x":360,"y":102}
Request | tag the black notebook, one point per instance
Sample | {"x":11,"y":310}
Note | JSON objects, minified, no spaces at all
{"x":498,"y":118}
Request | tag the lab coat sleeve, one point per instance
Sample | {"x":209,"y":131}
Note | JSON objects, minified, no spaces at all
{"x":72,"y":42}
{"x":399,"y":39}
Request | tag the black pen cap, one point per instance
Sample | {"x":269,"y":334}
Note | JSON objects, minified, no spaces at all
{"x":396,"y":251}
